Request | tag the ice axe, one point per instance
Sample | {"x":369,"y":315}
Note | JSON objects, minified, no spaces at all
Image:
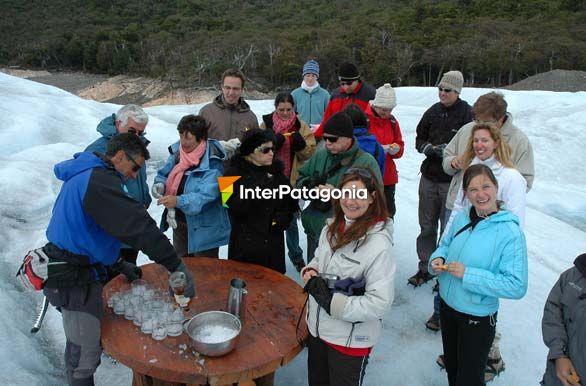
{"x":40,"y":316}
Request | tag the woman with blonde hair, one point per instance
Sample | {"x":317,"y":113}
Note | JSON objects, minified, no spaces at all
{"x":487,"y":146}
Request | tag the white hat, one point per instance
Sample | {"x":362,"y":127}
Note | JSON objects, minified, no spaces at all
{"x":453,"y":80}
{"x":385,"y":97}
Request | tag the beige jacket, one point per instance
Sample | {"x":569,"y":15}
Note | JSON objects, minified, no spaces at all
{"x":521,"y":155}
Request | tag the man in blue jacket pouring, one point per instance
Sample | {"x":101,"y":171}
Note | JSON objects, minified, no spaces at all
{"x":92,"y":216}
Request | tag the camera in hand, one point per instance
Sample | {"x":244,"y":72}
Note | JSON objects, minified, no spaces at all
{"x":330,"y":279}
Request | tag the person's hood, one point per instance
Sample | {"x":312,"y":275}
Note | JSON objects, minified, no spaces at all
{"x":580,"y":264}
{"x":107,"y":128}
{"x":502,"y":216}
{"x":79,"y":163}
{"x":241,"y":106}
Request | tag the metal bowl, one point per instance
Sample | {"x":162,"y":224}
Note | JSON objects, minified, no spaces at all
{"x":213,"y":333}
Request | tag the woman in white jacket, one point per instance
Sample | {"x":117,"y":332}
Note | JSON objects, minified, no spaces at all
{"x":486,"y":146}
{"x":345,"y":311}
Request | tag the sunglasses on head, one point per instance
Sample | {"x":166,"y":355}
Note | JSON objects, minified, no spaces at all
{"x":134,"y":131}
{"x":360,"y":171}
{"x":331,"y":139}
{"x":136,"y":167}
{"x":446,"y":90}
{"x":264,"y":149}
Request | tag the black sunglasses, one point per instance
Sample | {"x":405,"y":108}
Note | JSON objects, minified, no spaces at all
{"x":136,"y":166}
{"x":331,"y":139}
{"x":346,"y":82}
{"x":446,"y":90}
{"x":265,"y":150}
{"x":134,"y":131}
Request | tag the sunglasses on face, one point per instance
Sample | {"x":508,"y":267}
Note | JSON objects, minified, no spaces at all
{"x":331,"y":139}
{"x":134,"y":131}
{"x":264,"y":150}
{"x":446,"y":90}
{"x":346,"y":82}
{"x":136,"y":166}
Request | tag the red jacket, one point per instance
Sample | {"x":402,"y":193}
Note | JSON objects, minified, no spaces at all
{"x":361,"y":96}
{"x":387,"y":131}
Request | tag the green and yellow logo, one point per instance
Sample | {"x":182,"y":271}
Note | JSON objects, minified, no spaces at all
{"x":227,"y":187}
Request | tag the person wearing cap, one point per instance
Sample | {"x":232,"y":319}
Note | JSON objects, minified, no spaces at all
{"x":352,"y":90}
{"x":258,"y":223}
{"x":229,"y":115}
{"x":436,"y":128}
{"x":386,"y":129}
{"x":310,"y":98}
{"x":564,"y":328}
{"x":294,"y":144}
{"x":325,"y":169}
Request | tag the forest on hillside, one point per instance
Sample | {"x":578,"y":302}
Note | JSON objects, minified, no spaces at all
{"x":190,"y":42}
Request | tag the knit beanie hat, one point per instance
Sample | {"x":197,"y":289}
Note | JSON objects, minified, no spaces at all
{"x":348,"y":71}
{"x":311,"y":67}
{"x":385,"y":97}
{"x":453,"y":80}
{"x":339,"y":124}
{"x":252,"y":139}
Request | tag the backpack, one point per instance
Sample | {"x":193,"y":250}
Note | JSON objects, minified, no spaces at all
{"x":34,"y":269}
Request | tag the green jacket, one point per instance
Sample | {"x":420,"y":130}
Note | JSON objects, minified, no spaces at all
{"x":313,"y":220}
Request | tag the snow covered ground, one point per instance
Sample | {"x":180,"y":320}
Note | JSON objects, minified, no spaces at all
{"x":41,"y":125}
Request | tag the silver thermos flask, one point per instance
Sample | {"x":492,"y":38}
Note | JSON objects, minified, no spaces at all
{"x":236,"y":303}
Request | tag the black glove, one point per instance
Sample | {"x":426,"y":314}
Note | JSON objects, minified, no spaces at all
{"x":297,"y":142}
{"x":279,"y":141}
{"x":317,"y":287}
{"x":427,"y":149}
{"x":439,"y":150}
{"x":131,"y":271}
{"x":189,"y":286}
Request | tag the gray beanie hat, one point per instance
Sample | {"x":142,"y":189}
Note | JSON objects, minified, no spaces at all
{"x":453,"y":80}
{"x":385,"y":97}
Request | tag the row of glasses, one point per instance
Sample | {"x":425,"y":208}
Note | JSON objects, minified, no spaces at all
{"x":153,"y":310}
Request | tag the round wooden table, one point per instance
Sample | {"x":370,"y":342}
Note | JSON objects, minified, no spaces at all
{"x":269,"y":337}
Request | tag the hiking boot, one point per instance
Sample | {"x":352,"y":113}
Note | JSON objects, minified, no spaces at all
{"x":440,"y":361}
{"x":494,"y":366}
{"x":433,"y":323}
{"x":419,"y":278}
{"x":299,"y":265}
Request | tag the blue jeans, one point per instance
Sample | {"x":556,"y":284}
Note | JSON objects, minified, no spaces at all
{"x":292,"y":239}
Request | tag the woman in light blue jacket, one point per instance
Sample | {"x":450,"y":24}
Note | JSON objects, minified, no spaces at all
{"x":188,"y":185}
{"x":482,"y":258}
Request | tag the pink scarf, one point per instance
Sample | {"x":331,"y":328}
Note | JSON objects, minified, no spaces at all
{"x":281,"y":127}
{"x":186,"y":161}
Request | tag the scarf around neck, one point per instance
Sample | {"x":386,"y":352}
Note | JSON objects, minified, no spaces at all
{"x":186,"y":161}
{"x":281,"y":127}
{"x":309,"y":88}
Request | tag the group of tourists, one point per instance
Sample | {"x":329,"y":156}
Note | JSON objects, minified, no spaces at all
{"x":477,"y":170}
